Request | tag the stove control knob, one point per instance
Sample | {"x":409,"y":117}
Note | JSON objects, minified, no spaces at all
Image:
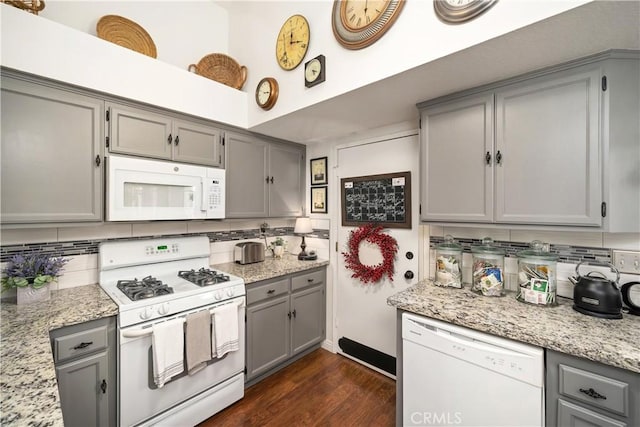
{"x":230,"y":292}
{"x":164,"y":309}
{"x":217,"y":296}
{"x":146,"y":313}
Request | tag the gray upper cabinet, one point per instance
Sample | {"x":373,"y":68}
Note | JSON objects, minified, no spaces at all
{"x":547,"y":160}
{"x":552,"y":148}
{"x":457,"y":143}
{"x":148,"y":133}
{"x":51,"y":153}
{"x":264,"y":179}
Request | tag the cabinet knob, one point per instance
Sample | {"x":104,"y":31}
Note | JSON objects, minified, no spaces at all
{"x":270,"y":291}
{"x":409,"y":255}
{"x":294,"y":312}
{"x":169,"y":139}
{"x":103,"y":386}
{"x":177,"y":139}
{"x":498,"y":157}
{"x":408,"y":274}
{"x":592,"y":393}
{"x":487,"y":158}
{"x":271,"y":180}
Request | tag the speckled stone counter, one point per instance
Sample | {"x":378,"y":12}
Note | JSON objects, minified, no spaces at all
{"x":269,"y":268}
{"x":560,"y":328}
{"x":28,"y":386}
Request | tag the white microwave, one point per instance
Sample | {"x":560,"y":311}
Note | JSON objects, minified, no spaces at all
{"x":145,"y":190}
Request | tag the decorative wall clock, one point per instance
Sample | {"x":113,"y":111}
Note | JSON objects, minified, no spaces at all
{"x":314,"y":71}
{"x":267,"y":93}
{"x":360,"y":23}
{"x":292,"y":42}
{"x":457,"y":11}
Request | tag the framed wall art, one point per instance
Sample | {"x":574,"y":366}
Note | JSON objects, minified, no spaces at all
{"x":318,"y":199}
{"x":318,"y":168}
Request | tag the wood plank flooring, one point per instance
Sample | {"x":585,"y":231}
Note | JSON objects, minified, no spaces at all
{"x":321,"y":389}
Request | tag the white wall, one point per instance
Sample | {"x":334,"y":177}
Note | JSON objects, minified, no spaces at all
{"x":416,"y":38}
{"x":183,"y":31}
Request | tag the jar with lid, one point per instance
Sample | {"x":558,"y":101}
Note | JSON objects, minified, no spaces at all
{"x":537,"y":275}
{"x":448,"y":263}
{"x":488,"y":269}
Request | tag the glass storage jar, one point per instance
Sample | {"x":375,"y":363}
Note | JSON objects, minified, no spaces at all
{"x":488,"y":269}
{"x":537,"y":275}
{"x":449,"y":263}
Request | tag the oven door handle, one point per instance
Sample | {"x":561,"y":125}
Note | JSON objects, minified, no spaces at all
{"x":136,"y":333}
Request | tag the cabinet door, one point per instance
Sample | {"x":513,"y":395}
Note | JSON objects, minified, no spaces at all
{"x":307,"y":308}
{"x":246,"y":167}
{"x":50,"y":154}
{"x":548,"y":136}
{"x":81,"y":384}
{"x":575,"y":415}
{"x":457,"y":181}
{"x":139,"y":132}
{"x":196,"y":143}
{"x":286,"y":190}
{"x":268,"y":326}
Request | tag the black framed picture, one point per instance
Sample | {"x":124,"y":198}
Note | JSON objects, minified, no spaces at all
{"x":318,"y":169}
{"x":380,"y":199}
{"x":318,"y":199}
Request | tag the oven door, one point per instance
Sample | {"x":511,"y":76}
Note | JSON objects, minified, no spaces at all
{"x":143,"y":189}
{"x":140,"y":399}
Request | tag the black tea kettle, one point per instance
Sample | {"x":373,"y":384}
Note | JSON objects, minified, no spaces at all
{"x":631,"y":297}
{"x":595,"y":295}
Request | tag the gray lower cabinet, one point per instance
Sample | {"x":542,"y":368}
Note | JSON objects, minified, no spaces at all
{"x":51,"y":158}
{"x":85,"y":359}
{"x":537,"y":149}
{"x":151,"y":133}
{"x":585,"y":393}
{"x":285,"y":317}
{"x":264,"y":178}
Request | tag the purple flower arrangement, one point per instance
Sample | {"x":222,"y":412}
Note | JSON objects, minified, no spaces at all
{"x":35,"y":269}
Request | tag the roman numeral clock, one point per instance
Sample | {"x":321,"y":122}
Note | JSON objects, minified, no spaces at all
{"x":360,"y":23}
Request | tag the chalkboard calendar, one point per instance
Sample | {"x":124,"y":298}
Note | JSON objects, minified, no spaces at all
{"x":381,"y":199}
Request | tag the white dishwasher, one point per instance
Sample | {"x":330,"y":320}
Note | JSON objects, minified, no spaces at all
{"x":457,"y":376}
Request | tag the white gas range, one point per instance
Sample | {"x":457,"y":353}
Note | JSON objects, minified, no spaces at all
{"x":153,"y":281}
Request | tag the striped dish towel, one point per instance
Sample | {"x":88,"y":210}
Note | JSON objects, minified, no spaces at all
{"x":168,"y":350}
{"x":224,"y":334}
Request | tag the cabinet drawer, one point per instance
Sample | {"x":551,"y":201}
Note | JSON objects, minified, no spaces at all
{"x":594,"y":389}
{"x":574,"y":415}
{"x":304,"y":280}
{"x":267,"y":290}
{"x":84,"y":342}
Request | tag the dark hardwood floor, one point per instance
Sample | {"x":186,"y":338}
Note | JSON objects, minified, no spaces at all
{"x":321,"y":389}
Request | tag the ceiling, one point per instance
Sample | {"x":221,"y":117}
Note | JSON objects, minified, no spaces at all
{"x":588,"y":29}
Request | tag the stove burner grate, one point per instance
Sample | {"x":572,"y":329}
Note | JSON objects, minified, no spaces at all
{"x":203,"y":277}
{"x":147,"y":287}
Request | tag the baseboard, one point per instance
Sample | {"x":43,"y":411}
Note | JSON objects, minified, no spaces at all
{"x":328,"y":345}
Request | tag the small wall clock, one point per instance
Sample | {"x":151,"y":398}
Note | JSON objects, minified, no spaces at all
{"x":292,"y":42}
{"x":267,"y":93}
{"x":314,"y":71}
{"x":457,"y":11}
{"x":360,"y":23}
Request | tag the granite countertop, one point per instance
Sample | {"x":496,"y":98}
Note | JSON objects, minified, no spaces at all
{"x":560,"y":328}
{"x":269,"y":268}
{"x":28,"y":383}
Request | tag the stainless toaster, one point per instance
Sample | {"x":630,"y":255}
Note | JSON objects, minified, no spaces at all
{"x":248,"y":252}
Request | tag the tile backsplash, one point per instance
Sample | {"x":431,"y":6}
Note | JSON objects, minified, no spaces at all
{"x":80,"y":244}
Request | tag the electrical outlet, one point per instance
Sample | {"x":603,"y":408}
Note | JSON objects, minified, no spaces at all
{"x":627,"y":261}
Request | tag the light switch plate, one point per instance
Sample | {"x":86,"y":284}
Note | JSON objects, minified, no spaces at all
{"x":627,"y":261}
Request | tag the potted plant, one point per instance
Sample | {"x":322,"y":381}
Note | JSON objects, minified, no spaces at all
{"x":278,"y":247}
{"x":30,"y":274}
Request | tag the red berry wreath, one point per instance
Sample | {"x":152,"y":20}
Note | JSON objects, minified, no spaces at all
{"x":388,"y":246}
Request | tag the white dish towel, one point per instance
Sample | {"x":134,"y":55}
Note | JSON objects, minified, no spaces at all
{"x":168,"y":350}
{"x":224,"y":333}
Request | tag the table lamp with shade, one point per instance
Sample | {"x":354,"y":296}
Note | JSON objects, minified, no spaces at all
{"x":303,"y":227}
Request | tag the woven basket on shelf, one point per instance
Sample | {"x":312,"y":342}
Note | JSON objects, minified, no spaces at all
{"x":33,"y":6}
{"x":221,"y":68}
{"x":126,"y":33}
